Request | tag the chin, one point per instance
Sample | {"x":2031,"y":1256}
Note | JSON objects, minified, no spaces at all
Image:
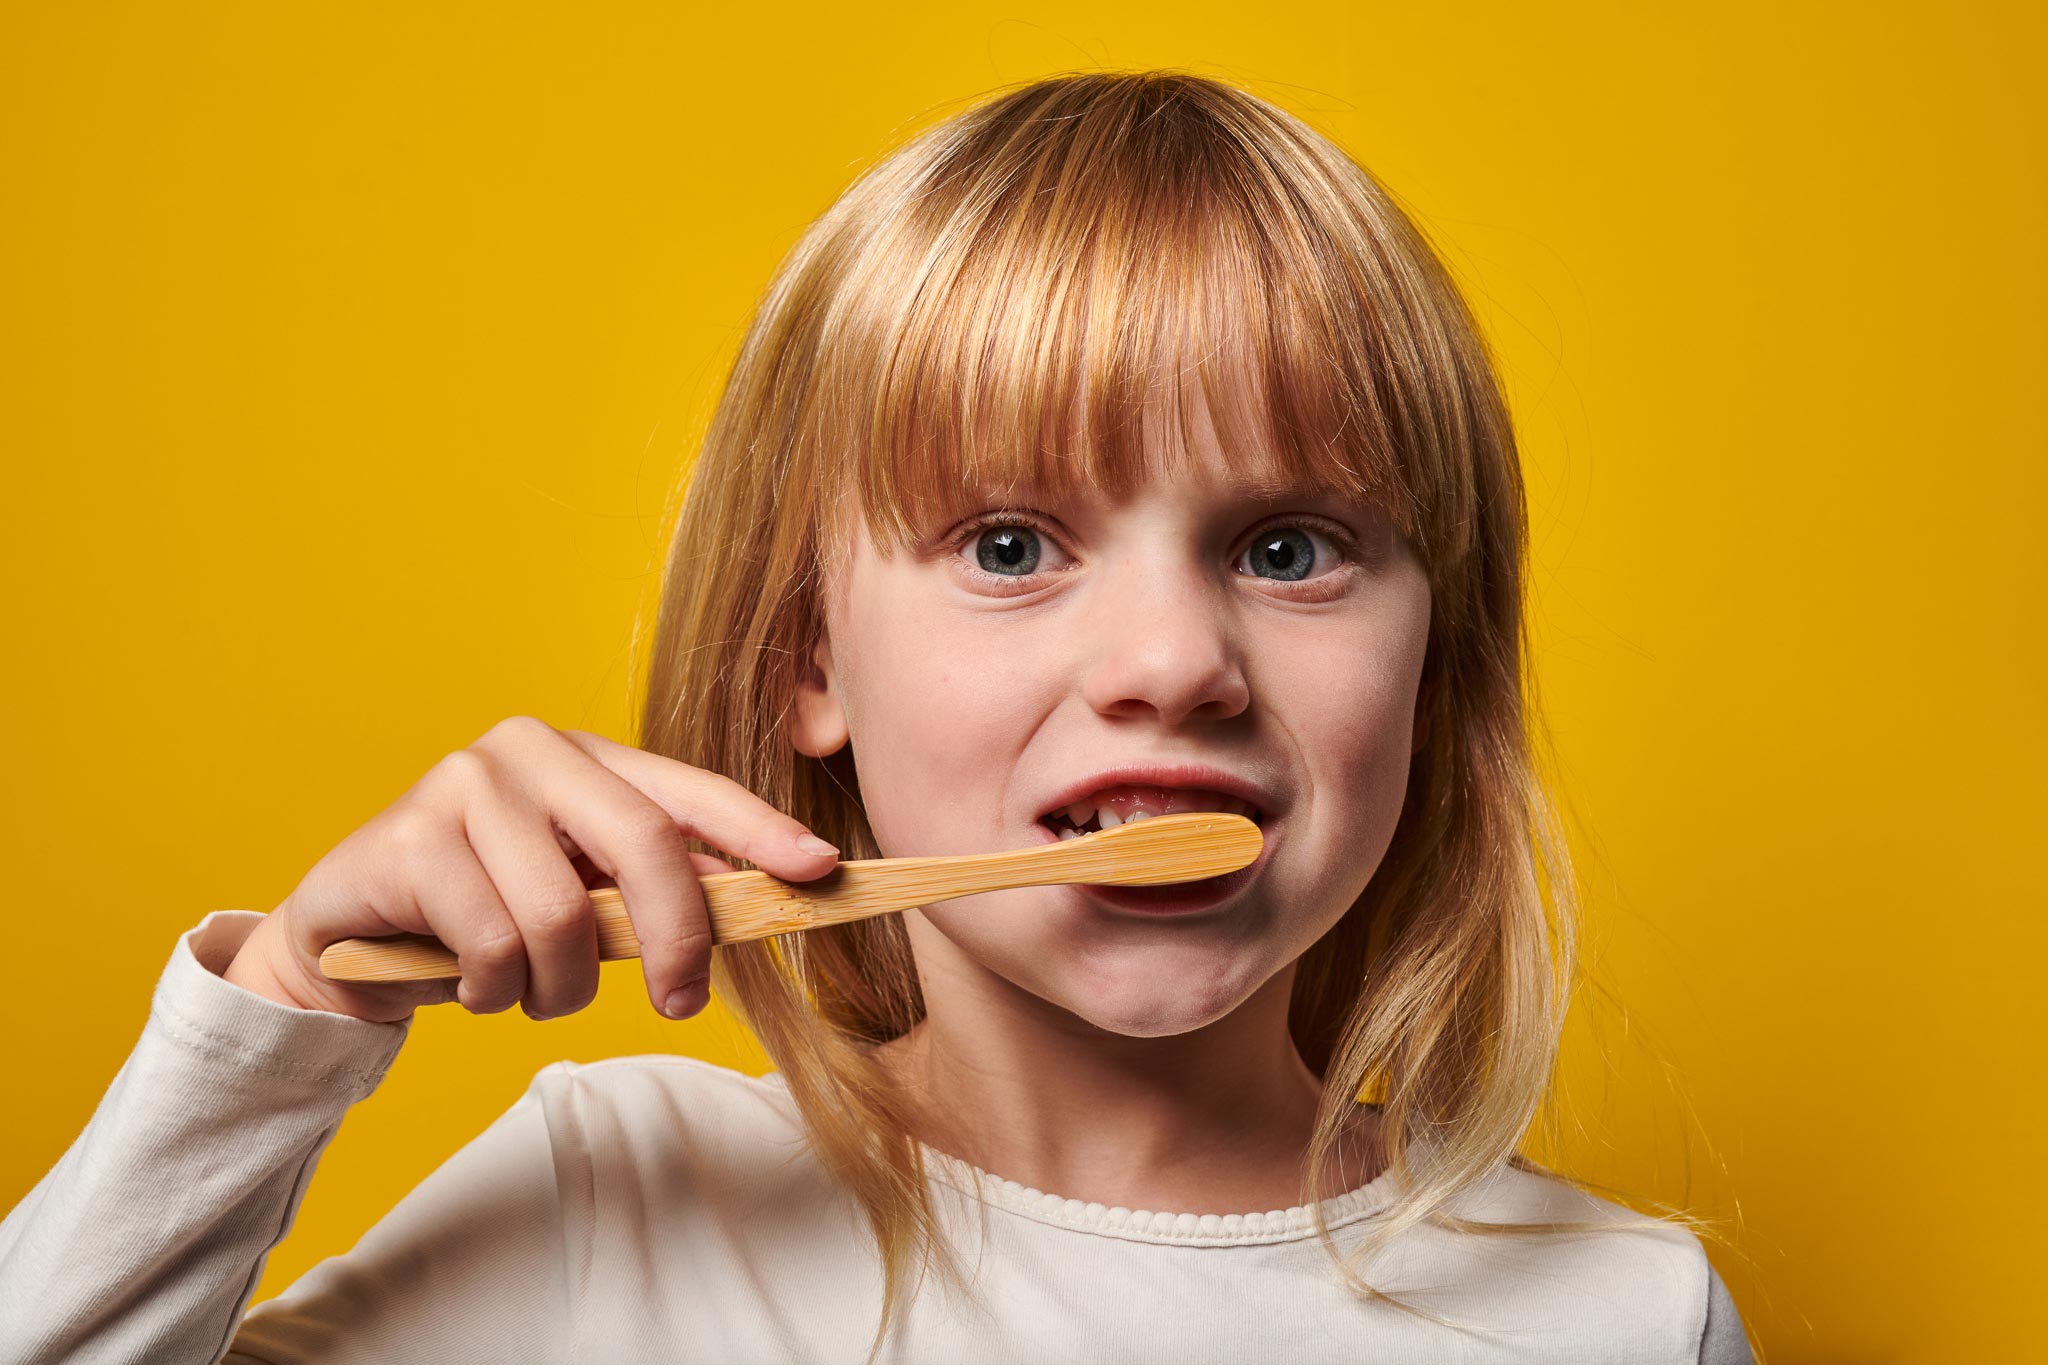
{"x":1149,"y":1025}
{"x":1153,"y":1008}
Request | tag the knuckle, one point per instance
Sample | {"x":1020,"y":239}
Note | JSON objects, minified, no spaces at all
{"x":519,"y":729}
{"x":414,"y":833}
{"x":687,"y":946}
{"x":465,"y":768}
{"x":651,"y":833}
{"x":502,"y":945}
{"x":558,"y":910}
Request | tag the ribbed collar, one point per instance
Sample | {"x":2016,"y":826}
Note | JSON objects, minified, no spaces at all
{"x":1149,"y":1225}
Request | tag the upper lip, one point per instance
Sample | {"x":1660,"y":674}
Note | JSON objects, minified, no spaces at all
{"x":1190,"y":776}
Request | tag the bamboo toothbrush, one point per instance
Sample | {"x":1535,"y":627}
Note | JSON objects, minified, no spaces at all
{"x":747,"y":905}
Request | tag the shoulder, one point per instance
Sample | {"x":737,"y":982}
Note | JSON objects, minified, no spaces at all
{"x":1640,"y":1284}
{"x":681,"y":1120}
{"x":668,"y":1093}
{"x":669,"y":1156}
{"x":662,"y":1077}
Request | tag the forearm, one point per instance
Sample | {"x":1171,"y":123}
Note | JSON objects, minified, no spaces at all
{"x":146,"y":1239}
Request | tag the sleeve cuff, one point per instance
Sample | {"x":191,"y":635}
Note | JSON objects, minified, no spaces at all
{"x":201,"y":1009}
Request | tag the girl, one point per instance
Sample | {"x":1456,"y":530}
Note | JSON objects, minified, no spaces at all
{"x":1115,"y":447}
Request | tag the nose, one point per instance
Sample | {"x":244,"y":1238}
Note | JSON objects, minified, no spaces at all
{"x":1165,"y":643}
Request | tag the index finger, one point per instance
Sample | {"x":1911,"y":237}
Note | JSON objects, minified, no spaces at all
{"x":713,"y":807}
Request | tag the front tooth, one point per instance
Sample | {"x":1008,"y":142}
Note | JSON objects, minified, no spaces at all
{"x":1108,"y":818}
{"x":1081,"y":812}
{"x":1139,"y":814}
{"x":1070,"y":834}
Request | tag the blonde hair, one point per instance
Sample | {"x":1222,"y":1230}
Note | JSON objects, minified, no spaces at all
{"x":1012,"y":278}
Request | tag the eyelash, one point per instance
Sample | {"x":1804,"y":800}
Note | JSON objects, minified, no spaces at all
{"x":1346,"y":542}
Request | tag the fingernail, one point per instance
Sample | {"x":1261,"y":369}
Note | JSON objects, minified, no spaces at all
{"x":811,"y":843}
{"x":685,"y":1001}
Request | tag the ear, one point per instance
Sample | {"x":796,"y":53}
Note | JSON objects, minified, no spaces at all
{"x":817,"y":722}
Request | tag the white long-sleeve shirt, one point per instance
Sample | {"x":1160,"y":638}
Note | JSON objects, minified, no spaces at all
{"x":660,"y":1208}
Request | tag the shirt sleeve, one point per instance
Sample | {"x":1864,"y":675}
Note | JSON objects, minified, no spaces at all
{"x":1724,"y":1342}
{"x":146,"y":1240}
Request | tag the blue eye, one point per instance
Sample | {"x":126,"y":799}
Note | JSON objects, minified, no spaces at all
{"x":1007,"y":545}
{"x":1011,"y":545}
{"x":1289,"y":551}
{"x":1007,"y":550}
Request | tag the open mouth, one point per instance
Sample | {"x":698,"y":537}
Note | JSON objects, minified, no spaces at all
{"x":1113,"y":806}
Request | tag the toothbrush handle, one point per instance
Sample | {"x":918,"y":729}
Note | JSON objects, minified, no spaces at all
{"x":750,"y":905}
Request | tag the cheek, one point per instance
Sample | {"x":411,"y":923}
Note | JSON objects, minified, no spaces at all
{"x":1351,"y":712}
{"x":1350,"y":704}
{"x":936,"y":732}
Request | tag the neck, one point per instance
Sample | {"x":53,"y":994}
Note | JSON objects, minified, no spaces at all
{"x":1215,"y":1120}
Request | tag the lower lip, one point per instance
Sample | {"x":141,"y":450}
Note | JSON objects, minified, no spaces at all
{"x":1176,"y":898}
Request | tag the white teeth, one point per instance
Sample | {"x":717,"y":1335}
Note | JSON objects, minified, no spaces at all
{"x":1070,"y":834}
{"x":1082,"y":812}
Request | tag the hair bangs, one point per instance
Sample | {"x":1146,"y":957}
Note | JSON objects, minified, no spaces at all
{"x":1069,"y":276}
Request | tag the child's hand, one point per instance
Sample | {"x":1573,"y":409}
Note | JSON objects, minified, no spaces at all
{"x":493,"y":853}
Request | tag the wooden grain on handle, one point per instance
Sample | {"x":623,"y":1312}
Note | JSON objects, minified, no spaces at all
{"x":749,"y":905}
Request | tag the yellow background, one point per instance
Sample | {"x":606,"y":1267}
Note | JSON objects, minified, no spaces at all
{"x":347,"y":353}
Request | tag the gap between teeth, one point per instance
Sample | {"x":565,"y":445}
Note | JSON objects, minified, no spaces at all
{"x":1106,"y":818}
